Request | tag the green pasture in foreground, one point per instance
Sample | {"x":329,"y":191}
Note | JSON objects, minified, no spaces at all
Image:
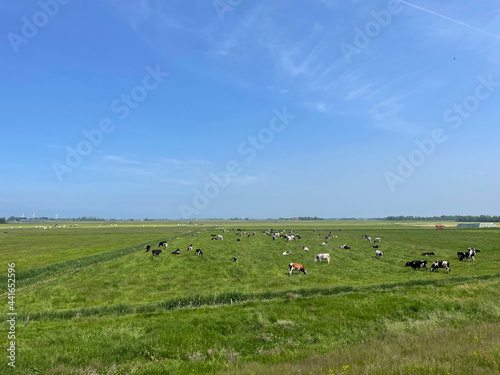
{"x":249,"y":336}
{"x":118,"y":294}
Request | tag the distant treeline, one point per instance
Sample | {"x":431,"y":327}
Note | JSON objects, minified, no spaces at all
{"x":301,"y":218}
{"x":461,"y":218}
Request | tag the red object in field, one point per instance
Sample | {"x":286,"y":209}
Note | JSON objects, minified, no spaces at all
{"x":440,"y":227}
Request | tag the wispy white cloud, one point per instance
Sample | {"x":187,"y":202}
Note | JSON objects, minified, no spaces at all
{"x":121,"y":160}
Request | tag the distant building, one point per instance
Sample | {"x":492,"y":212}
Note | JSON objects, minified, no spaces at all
{"x":476,"y":225}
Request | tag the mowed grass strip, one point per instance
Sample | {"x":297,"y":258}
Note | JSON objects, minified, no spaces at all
{"x":231,"y":298}
{"x":289,"y":330}
{"x":138,"y":278}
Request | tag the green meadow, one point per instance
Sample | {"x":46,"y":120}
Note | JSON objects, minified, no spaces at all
{"x":91,"y":300}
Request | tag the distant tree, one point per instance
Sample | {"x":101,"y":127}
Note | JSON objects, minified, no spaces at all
{"x":3,"y":220}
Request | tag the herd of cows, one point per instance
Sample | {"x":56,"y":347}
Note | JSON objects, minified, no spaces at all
{"x":290,"y":236}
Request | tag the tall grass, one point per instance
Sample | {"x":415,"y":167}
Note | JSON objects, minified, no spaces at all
{"x":287,"y":330}
{"x":231,"y":298}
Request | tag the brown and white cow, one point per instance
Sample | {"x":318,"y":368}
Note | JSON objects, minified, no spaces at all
{"x":296,"y":267}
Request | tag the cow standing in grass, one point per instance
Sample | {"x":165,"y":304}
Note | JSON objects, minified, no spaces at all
{"x":416,"y":264}
{"x":323,"y":256}
{"x":296,"y":267}
{"x":440,"y":264}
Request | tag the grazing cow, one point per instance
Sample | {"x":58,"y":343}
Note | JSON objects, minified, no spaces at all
{"x":427,"y":254}
{"x":417,"y":264}
{"x":364,"y":236}
{"x":234,"y":259}
{"x":220,"y":237}
{"x":290,"y":238}
{"x":296,"y":267}
{"x":467,"y":256}
{"x":214,"y":235}
{"x":321,"y":257}
{"x":377,"y":239}
{"x":287,"y":252}
{"x":176,"y":252}
{"x":473,"y":252}
{"x":156,"y":252}
{"x":379,"y":254}
{"x":369,"y":239}
{"x":190,"y":247}
{"x":440,"y":264}
{"x":148,"y":248}
{"x":238,"y":239}
{"x":198,"y":252}
{"x":324,"y":243}
{"x":304,"y":248}
{"x":162,"y":243}
{"x":375,"y":247}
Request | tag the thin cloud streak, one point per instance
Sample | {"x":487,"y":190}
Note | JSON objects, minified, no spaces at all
{"x":451,"y":19}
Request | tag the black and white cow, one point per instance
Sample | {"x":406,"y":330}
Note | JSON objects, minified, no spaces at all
{"x":375,"y":247}
{"x":176,"y":252}
{"x":440,"y":264}
{"x":461,"y":255}
{"x":287,"y":252}
{"x":379,"y":254}
{"x":473,"y":252}
{"x":156,"y":252}
{"x":416,"y":264}
{"x":428,"y":254}
{"x":198,"y":252}
{"x":304,"y":248}
{"x":148,"y":248}
{"x":190,"y":247}
{"x":234,"y":259}
{"x":162,"y":243}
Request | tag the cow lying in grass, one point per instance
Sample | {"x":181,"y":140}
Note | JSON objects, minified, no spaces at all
{"x":156,"y":252}
{"x":296,"y":267}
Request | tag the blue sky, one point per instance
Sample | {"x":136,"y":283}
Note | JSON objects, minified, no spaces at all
{"x":317,"y":106}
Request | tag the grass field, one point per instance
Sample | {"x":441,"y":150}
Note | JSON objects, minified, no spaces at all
{"x":98,"y":303}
